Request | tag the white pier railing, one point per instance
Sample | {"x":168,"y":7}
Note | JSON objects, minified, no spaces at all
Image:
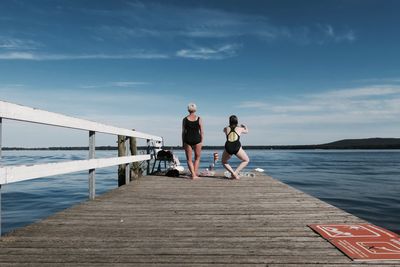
{"x":12,"y":174}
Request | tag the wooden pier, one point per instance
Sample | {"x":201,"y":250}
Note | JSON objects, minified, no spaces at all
{"x":179,"y":222}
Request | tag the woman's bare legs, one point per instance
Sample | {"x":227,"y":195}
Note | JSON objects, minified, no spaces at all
{"x":188,"y":152}
{"x":225,"y":158}
{"x":197,"y":153}
{"x":244,"y":158}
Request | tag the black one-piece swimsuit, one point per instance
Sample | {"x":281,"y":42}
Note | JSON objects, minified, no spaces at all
{"x":192,"y":132}
{"x":232,"y":147}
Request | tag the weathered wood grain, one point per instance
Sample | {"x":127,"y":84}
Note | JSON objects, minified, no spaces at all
{"x":162,"y":221}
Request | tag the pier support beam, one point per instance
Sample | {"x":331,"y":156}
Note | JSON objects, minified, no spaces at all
{"x":92,"y":172}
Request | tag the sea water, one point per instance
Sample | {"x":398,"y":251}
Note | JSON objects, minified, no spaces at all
{"x":365,"y":183}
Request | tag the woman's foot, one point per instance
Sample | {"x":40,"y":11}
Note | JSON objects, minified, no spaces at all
{"x":235,"y":176}
{"x":231,"y":175}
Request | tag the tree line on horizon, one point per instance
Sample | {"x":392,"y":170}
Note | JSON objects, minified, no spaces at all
{"x":366,"y":143}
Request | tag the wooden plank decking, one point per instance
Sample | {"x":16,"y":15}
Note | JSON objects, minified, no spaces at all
{"x":178,"y":222}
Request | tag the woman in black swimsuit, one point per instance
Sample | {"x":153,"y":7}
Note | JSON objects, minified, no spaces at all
{"x":233,"y":146}
{"x":192,"y":138}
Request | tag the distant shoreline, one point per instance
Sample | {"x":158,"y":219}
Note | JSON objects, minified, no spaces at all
{"x":367,"y":143}
{"x":204,"y":148}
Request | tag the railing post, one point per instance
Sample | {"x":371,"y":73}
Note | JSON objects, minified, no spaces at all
{"x":135,"y":167}
{"x":92,"y":172}
{"x":1,"y":139}
{"x":127,"y":166}
{"x":148,"y":152}
{"x":121,"y":153}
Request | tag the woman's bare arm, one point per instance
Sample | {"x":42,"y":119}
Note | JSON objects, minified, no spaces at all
{"x":201,"y":129}
{"x":244,"y":128}
{"x":183,"y":132}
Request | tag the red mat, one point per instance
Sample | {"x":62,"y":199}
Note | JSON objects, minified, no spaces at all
{"x":361,"y":242}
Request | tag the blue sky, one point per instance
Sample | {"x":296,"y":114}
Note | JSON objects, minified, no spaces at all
{"x":296,"y":72}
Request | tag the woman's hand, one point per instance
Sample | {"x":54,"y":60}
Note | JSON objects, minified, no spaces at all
{"x":245,"y":129}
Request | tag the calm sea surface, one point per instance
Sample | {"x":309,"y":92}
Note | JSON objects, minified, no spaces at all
{"x":364,"y":183}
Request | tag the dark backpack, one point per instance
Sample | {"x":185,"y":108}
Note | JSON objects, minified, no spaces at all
{"x":165,"y":155}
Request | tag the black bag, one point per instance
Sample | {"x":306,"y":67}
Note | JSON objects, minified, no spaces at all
{"x":165,"y":155}
{"x":172,"y":173}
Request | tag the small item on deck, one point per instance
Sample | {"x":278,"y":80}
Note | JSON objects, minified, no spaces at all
{"x":207,"y":173}
{"x":241,"y":174}
{"x":247,"y":174}
{"x":181,"y":169}
{"x":361,"y":242}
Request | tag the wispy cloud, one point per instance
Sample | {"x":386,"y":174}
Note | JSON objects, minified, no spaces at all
{"x":127,"y":83}
{"x":361,"y":92}
{"x":11,"y":85}
{"x":123,"y":84}
{"x":222,"y":52}
{"x":335,"y":35}
{"x":7,"y":43}
{"x":252,"y":104}
{"x":46,"y":56}
{"x":389,"y":80}
{"x":172,"y":22}
{"x":145,"y":27}
{"x":349,"y":106}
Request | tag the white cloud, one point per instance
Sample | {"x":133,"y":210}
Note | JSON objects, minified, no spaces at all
{"x":17,"y":55}
{"x":336,"y":36}
{"x":170,"y":24}
{"x":361,"y":92}
{"x":155,"y":20}
{"x":8,"y":43}
{"x":115,"y":84}
{"x":347,"y":36}
{"x":329,"y":30}
{"x":252,"y":104}
{"x":127,"y":83}
{"x":346,"y":106}
{"x":44,"y":56}
{"x":222,"y":52}
{"x":144,"y":111}
{"x":389,"y":80}
{"x":297,"y":120}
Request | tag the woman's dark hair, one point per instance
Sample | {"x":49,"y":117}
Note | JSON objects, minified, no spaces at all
{"x":233,"y":121}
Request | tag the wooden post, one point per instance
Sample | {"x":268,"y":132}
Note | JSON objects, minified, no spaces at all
{"x":136,"y":171}
{"x":92,"y":172}
{"x":148,"y":152}
{"x":127,"y":166}
{"x":121,"y":153}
